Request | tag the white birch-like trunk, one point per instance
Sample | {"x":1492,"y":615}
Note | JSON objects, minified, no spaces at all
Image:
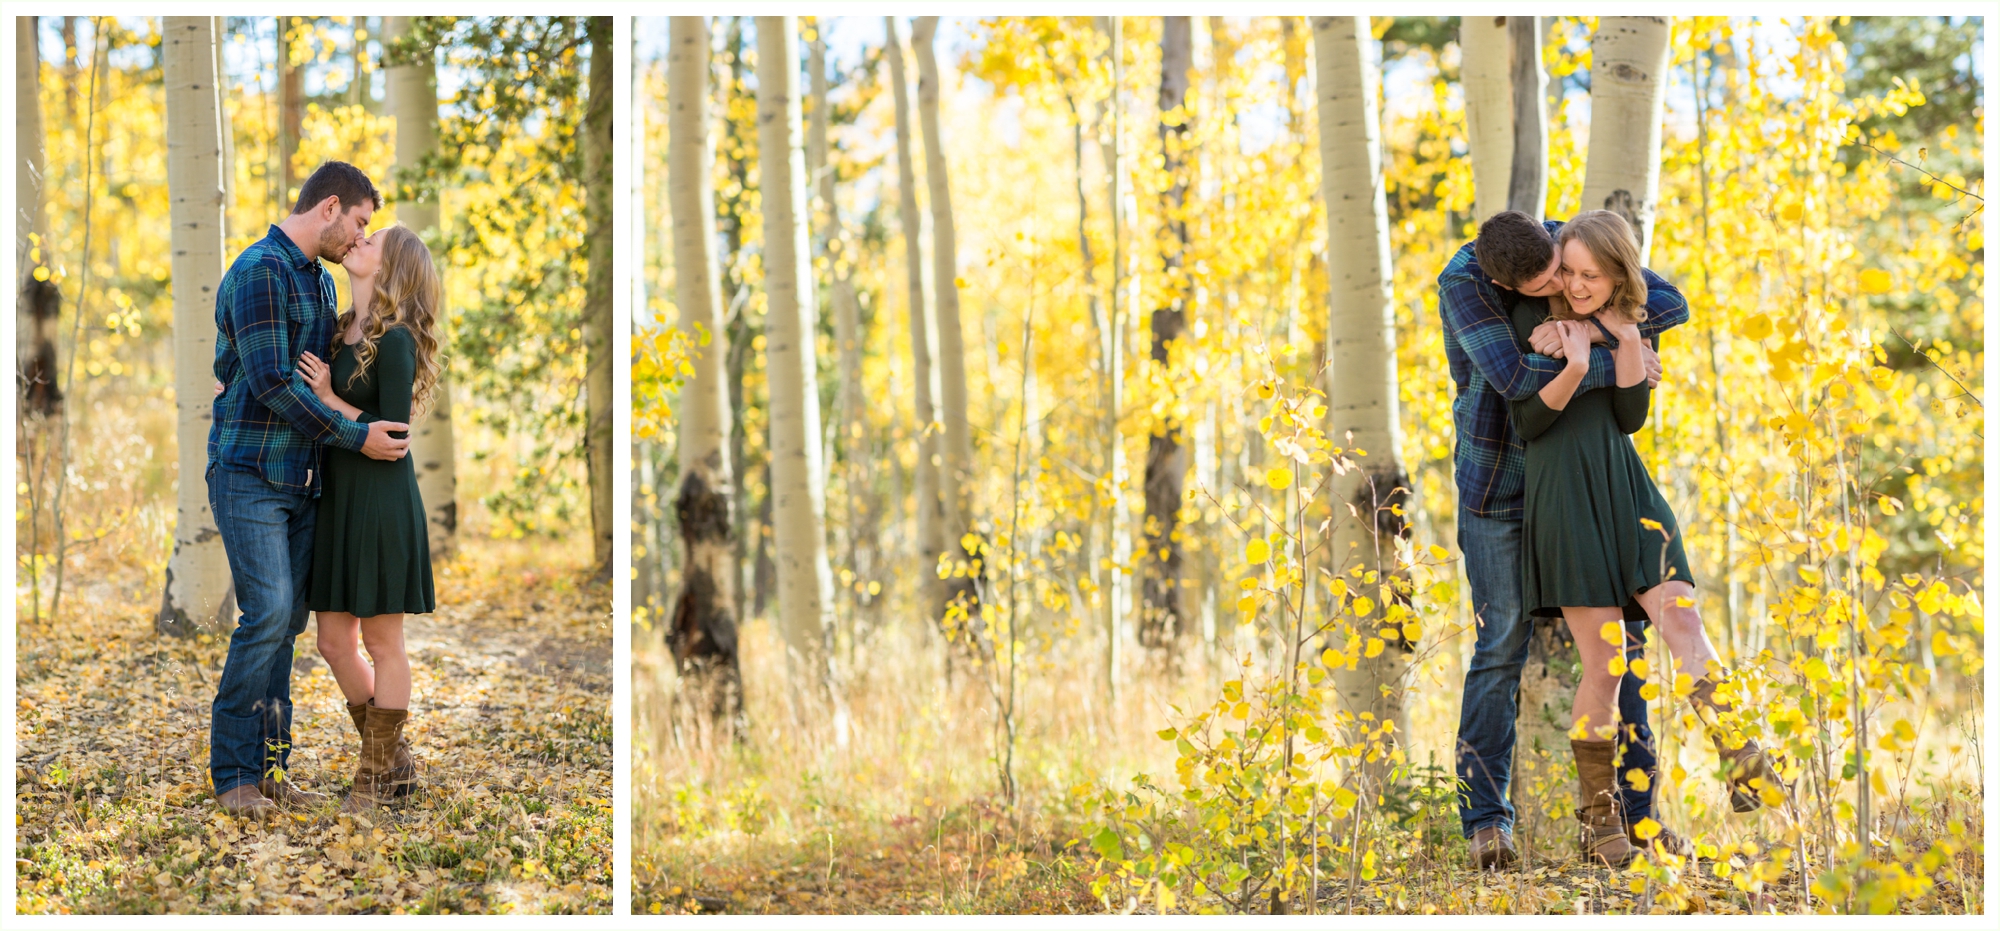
{"x":1628,"y":97}
{"x":1485,"y":76}
{"x":412,"y":93}
{"x":228,"y":136}
{"x":798,"y":475}
{"x":702,"y":628}
{"x":1119,"y":584}
{"x":931,"y":521}
{"x":1361,"y":343}
{"x":198,"y":593}
{"x":956,"y":476}
{"x":846,"y":304}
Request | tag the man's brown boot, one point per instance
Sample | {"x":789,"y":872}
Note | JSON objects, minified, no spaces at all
{"x":245,"y":801}
{"x":1492,"y":848}
{"x":403,"y":768}
{"x":1746,"y":767}
{"x":381,"y":729}
{"x":1603,"y":831}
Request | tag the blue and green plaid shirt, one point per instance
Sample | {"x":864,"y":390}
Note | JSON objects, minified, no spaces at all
{"x":274,"y":304}
{"x":1491,"y":367}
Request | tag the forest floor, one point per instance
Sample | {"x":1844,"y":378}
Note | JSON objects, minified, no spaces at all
{"x":906,"y":819}
{"x":511,"y":721}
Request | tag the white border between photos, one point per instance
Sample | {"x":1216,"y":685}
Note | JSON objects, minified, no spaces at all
{"x":628,"y":266}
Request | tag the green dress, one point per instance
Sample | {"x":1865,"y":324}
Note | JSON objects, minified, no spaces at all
{"x":1586,"y":493}
{"x":371,"y":549}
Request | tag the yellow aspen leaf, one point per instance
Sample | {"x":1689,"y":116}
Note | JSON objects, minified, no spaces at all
{"x":1364,"y":606}
{"x":1617,"y":665}
{"x":1638,"y":779}
{"x":1755,"y":326}
{"x":1439,"y":552}
{"x":1613,"y":632}
{"x":1257,"y":552}
{"x":1241,"y":711}
{"x":1874,"y":281}
{"x":1266,"y":390}
{"x":1279,"y":478}
{"x":1642,"y":668}
{"x":1650,"y":691}
{"x":1375,"y":646}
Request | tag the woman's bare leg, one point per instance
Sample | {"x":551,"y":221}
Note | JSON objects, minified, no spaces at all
{"x":1597,"y":687}
{"x":340,"y":646}
{"x":383,"y":635}
{"x":1681,"y":628}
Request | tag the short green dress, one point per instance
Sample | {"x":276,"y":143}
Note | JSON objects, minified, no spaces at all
{"x":371,"y":549}
{"x":1585,"y":495}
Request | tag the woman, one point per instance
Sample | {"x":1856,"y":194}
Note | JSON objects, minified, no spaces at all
{"x":1599,"y":535}
{"x":371,"y":551}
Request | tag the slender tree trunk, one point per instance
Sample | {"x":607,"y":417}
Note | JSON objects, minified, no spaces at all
{"x":1162,"y":616}
{"x":412,"y":93}
{"x":1528,"y":182}
{"x":1117,"y":516}
{"x":1628,"y":97}
{"x":956,"y":477}
{"x":291,"y":113}
{"x":702,"y":631}
{"x":597,"y":301}
{"x":737,"y":142}
{"x":70,"y":69}
{"x":1361,"y":345}
{"x":39,"y":302}
{"x":838,"y":253}
{"x":798,"y":491}
{"x":931,"y":516}
{"x":228,"y":131}
{"x":1487,"y":79}
{"x":198,"y":593}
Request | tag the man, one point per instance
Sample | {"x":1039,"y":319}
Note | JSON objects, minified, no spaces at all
{"x":1515,"y":259}
{"x":264,"y":473}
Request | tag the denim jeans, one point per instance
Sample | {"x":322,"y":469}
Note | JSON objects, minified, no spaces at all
{"x":268,"y":535}
{"x":1492,"y":551}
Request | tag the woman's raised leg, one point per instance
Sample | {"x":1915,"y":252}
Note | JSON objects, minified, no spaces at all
{"x":1680,"y":626}
{"x":339,"y":638}
{"x":1746,"y":768}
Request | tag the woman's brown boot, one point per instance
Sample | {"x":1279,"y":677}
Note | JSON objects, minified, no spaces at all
{"x":403,"y":767}
{"x":1746,"y":768}
{"x":1603,"y":836}
{"x":381,"y":731}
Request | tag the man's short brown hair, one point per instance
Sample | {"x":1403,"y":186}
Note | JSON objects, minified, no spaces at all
{"x":337,"y":179}
{"x":1512,"y":248}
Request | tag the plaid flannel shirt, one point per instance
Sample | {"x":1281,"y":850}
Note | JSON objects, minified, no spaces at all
{"x":1490,"y":367}
{"x":273,"y":304}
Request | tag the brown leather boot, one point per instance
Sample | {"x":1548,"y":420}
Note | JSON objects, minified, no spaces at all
{"x":245,"y":801}
{"x":403,"y":768}
{"x":1746,"y":767}
{"x":1492,"y":848}
{"x":1603,"y":831}
{"x":381,"y":730}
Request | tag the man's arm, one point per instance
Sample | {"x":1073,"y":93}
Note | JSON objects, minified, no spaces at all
{"x":1666,"y":307}
{"x":1472,"y":311}
{"x":263,"y":347}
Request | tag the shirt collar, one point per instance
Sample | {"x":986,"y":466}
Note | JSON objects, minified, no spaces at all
{"x":290,"y":249}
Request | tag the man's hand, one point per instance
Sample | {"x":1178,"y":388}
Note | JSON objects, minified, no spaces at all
{"x":381,"y":445}
{"x":1547,"y":341}
{"x":1652,"y":360}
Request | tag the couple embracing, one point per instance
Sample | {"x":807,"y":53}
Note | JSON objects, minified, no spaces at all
{"x":312,"y":489}
{"x":1551,"y":331}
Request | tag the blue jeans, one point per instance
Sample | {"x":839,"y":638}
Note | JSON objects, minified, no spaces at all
{"x":1492,"y":551}
{"x":268,"y":535}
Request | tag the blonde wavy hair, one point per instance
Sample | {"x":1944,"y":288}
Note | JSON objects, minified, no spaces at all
{"x":1610,"y":241}
{"x":407,"y":294}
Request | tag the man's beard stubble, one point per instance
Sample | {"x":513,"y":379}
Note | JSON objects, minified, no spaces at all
{"x":334,"y":243}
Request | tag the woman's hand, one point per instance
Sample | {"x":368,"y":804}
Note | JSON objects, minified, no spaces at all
{"x":220,"y":388}
{"x":1575,"y":336}
{"x":316,"y":374}
{"x":1620,"y":328}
